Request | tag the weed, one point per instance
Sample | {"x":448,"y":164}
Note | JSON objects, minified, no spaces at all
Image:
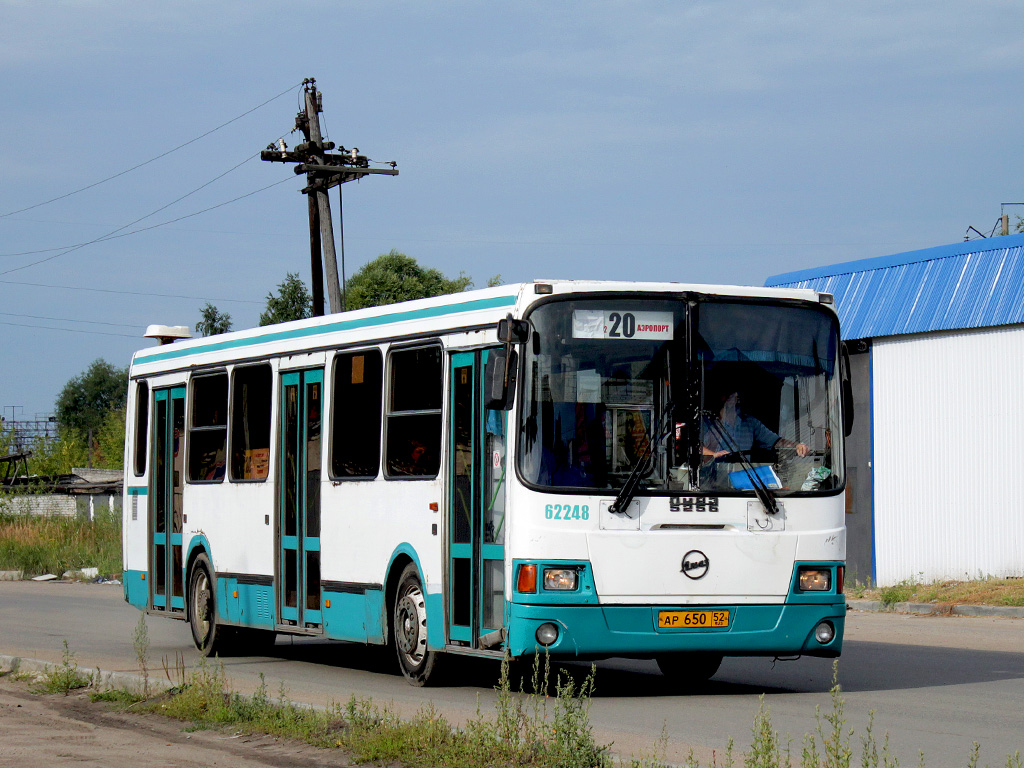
{"x":63,"y":678}
{"x":116,"y":696}
{"x":177,"y":678}
{"x":765,"y":747}
{"x":897,"y":593}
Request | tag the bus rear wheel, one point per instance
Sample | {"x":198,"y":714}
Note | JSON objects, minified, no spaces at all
{"x":409,"y":621}
{"x":208,"y":636}
{"x":689,"y":668}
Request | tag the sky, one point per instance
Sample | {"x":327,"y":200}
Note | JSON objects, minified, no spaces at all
{"x":699,"y":142}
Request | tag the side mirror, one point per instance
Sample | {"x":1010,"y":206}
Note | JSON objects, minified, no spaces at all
{"x":513,"y":331}
{"x":847,"y":391}
{"x":500,"y":379}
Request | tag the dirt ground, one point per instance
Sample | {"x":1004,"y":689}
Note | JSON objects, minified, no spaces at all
{"x":54,"y":730}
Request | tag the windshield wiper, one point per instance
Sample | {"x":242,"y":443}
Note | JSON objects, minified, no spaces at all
{"x":761,"y":488}
{"x":640,"y":469}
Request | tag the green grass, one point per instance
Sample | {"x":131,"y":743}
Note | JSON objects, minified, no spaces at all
{"x":985,"y":591}
{"x":527,"y":729}
{"x":544,"y":724}
{"x":36,"y":545}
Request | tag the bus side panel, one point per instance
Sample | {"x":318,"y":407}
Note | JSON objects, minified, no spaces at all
{"x":367,"y":525}
{"x":135,"y":509}
{"x":135,"y":543}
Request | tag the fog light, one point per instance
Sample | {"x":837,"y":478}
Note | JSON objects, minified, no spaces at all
{"x":560,"y":578}
{"x":547,"y":634}
{"x":825,"y":633}
{"x":815,"y":579}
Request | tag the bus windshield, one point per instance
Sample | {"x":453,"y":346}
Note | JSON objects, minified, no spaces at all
{"x":698,"y":394}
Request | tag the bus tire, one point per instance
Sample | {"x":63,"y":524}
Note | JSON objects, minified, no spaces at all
{"x":208,"y":636}
{"x":409,"y":621}
{"x":689,"y":668}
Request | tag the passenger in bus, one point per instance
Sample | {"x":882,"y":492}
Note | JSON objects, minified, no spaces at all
{"x":744,"y":432}
{"x":416,"y":461}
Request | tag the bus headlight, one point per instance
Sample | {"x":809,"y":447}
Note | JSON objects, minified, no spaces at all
{"x":547,"y":634}
{"x":815,"y":579}
{"x":560,"y":578}
{"x":825,"y":633}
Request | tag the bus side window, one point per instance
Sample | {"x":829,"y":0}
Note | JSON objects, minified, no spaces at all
{"x":251,"y":400}
{"x":414,"y":413}
{"x":355,"y":426}
{"x":141,"y":427}
{"x":207,"y":440}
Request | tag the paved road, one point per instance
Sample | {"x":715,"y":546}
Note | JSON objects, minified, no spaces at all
{"x":935,"y":683}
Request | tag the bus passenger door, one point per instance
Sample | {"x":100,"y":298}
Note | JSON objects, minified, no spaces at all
{"x":166,"y":580}
{"x":298,"y":524}
{"x":476,"y":509}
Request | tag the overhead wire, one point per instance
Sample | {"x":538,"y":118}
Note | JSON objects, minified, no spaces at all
{"x":67,"y":320}
{"x":69,"y":330}
{"x":128,"y":293}
{"x":109,"y":235}
{"x":113,"y":236}
{"x":152,"y":159}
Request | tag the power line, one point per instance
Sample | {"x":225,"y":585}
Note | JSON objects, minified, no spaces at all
{"x":127,"y":293}
{"x":67,"y":320}
{"x":152,"y":159}
{"x":68,"y":248}
{"x":71,"y":330}
{"x":113,"y":236}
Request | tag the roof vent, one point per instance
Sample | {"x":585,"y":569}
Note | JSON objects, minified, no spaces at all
{"x":167,"y":334}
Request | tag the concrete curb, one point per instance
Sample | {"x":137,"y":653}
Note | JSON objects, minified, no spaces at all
{"x":937,"y":609}
{"x":105,"y":680}
{"x":10,"y":575}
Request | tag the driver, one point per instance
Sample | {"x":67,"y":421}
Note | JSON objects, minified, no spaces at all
{"x":744,"y":432}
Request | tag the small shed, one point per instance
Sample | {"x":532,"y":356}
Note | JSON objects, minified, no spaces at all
{"x":83,"y":493}
{"x":935,"y":487}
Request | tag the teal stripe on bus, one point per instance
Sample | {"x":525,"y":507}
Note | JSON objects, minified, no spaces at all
{"x":341,"y":325}
{"x":138,"y":490}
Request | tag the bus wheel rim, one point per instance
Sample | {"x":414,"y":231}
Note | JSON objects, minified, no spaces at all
{"x":410,"y":625}
{"x":202,"y":604}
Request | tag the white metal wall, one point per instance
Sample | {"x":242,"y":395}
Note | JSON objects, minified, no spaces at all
{"x":948,"y":431}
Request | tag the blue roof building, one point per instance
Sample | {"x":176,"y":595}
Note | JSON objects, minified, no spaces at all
{"x":976,"y":284}
{"x":935,"y":488}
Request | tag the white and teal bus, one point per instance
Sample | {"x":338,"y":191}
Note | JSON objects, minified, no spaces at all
{"x":649,"y":470}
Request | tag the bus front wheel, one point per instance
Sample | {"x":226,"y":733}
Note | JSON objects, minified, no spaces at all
{"x":689,"y":668}
{"x":206,"y":633}
{"x":409,"y":622}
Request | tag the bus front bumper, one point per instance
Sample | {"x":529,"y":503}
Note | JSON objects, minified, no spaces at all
{"x":590,"y":631}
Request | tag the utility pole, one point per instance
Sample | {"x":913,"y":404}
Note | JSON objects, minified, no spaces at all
{"x":323,"y":170}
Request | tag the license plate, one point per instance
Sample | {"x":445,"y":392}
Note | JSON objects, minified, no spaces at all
{"x":674,"y":619}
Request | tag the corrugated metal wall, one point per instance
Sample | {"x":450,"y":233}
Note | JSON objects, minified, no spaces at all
{"x":949,"y":455}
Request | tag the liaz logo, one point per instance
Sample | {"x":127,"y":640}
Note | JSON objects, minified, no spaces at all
{"x":695,"y":564}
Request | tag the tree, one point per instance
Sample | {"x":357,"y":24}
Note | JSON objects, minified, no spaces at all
{"x":213,"y":321}
{"x":86,"y":400}
{"x":393,"y":277}
{"x":292,"y":302}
